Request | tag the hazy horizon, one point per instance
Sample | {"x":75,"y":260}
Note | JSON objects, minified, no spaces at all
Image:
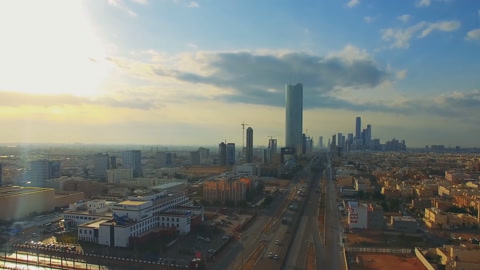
{"x":180,"y":72}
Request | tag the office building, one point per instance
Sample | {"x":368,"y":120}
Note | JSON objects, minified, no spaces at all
{"x":195,"y":158}
{"x":230,"y":154}
{"x":136,"y":219}
{"x":249,"y":149}
{"x":294,"y":117}
{"x":132,"y":159}
{"x":368,"y":137}
{"x":272,"y":145}
{"x":101,"y":165}
{"x":222,"y":149}
{"x":267,"y":156}
{"x":204,"y":155}
{"x":358,"y":128}
{"x":165,"y":159}
{"x":320,"y":142}
{"x":113,"y":162}
{"x":43,"y":170}
{"x":1,"y":178}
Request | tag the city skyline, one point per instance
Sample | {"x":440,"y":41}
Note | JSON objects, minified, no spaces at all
{"x":156,"y":72}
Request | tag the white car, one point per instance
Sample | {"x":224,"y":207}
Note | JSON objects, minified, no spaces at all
{"x":270,"y":255}
{"x":277,"y":242}
{"x":275,"y":257}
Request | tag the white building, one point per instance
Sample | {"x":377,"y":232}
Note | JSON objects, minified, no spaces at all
{"x":138,"y":216}
{"x":357,"y":215}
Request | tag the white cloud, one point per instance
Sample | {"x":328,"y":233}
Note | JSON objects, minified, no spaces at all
{"x":120,"y":5}
{"x":401,"y":74}
{"x":473,"y":34}
{"x":445,"y":26}
{"x":404,"y":18}
{"x":423,"y":3}
{"x":143,"y":2}
{"x":192,"y":46}
{"x":350,"y":53}
{"x":401,"y":37}
{"x":353,"y":3}
{"x":193,"y":4}
{"x":369,"y":19}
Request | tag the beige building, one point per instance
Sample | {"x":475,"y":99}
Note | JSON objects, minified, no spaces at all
{"x":223,"y":190}
{"x":459,"y":258}
{"x":65,"y":198}
{"x":20,"y":202}
{"x":435,"y":218}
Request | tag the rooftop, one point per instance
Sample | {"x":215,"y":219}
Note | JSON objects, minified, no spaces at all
{"x":93,"y":224}
{"x":17,"y":190}
{"x":135,"y":203}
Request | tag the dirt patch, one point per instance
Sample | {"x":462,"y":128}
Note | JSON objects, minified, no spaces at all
{"x":376,"y":261}
{"x":378,"y":239}
{"x":310,"y":262}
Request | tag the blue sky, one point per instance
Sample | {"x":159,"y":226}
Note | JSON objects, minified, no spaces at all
{"x":189,"y":72}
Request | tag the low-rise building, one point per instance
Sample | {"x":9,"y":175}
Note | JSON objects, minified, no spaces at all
{"x":20,"y":202}
{"x":404,"y":224}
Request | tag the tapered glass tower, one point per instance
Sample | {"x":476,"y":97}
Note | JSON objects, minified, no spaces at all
{"x":294,"y":116}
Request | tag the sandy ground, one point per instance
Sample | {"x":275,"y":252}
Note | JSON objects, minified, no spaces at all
{"x":376,"y":261}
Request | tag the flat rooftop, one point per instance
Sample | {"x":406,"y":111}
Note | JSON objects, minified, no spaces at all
{"x":93,"y":224}
{"x":136,"y":203}
{"x":17,"y":191}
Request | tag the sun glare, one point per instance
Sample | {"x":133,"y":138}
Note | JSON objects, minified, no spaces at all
{"x":49,"y":47}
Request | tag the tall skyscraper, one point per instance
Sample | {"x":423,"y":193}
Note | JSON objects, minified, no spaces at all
{"x":294,"y":116}
{"x":339,"y":139}
{"x":101,"y":165}
{"x":272,"y":145}
{"x":222,"y":149}
{"x":132,"y":159}
{"x":368,"y":137}
{"x":1,"y":179}
{"x":230,"y":154}
{"x":320,"y":142}
{"x":249,"y":150}
{"x":358,"y":128}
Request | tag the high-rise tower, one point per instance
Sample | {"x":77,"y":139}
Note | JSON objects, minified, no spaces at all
{"x":222,"y":149}
{"x":294,"y":116}
{"x":358,"y":128}
{"x":132,"y":159}
{"x":249,"y":150}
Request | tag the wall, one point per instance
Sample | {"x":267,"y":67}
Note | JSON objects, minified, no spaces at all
{"x":422,"y":259}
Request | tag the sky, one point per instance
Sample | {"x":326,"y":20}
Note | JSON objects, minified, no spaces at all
{"x":180,"y":72}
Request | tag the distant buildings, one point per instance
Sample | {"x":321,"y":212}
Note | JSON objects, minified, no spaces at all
{"x":294,"y":116}
{"x":249,"y":149}
{"x":1,"y":179}
{"x":222,"y":149}
{"x":195,"y":158}
{"x":230,"y":154}
{"x":132,"y":159}
{"x":102,"y":163}
{"x":43,"y":170}
{"x":272,"y":145}
{"x":165,"y":159}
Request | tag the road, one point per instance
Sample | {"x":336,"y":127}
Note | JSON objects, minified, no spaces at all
{"x":333,"y":228}
{"x":307,"y":231}
{"x":240,"y":250}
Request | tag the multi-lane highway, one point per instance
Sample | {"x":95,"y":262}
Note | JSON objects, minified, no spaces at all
{"x":307,"y":231}
{"x":326,"y":244}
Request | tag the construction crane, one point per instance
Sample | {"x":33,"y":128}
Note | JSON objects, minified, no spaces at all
{"x":243,"y":135}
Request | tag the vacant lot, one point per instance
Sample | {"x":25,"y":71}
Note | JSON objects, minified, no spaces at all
{"x":377,"y":261}
{"x":370,"y":239}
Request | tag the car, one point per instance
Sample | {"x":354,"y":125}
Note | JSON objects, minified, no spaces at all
{"x":277,"y":242}
{"x":275,"y":257}
{"x":270,"y":254}
{"x":226,"y":237}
